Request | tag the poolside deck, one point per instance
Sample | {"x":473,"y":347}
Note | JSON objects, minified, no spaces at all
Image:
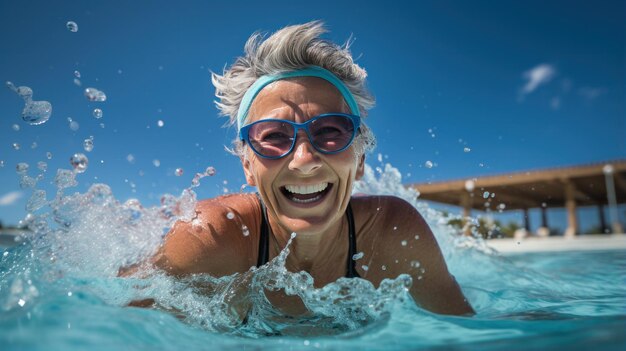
{"x":560,"y":243}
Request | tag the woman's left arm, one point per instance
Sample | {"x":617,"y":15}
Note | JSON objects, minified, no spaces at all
{"x":418,"y":254}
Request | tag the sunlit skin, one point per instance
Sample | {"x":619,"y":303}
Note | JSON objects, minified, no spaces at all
{"x":389,"y":231}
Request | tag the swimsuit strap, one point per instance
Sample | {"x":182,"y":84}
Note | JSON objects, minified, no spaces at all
{"x":351,"y":270}
{"x":264,"y":240}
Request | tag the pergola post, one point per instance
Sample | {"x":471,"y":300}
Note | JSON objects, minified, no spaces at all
{"x":570,"y":205}
{"x":603,"y":227}
{"x":526,"y":220}
{"x":544,"y":230}
{"x":466,"y":205}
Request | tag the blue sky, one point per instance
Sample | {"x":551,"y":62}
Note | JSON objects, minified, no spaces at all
{"x":523,"y":85}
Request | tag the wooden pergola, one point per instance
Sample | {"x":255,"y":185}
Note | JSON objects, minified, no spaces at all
{"x":601,"y":184}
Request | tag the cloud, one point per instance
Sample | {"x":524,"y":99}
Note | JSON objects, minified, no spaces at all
{"x":591,"y":93}
{"x":10,"y":198}
{"x":536,"y":76}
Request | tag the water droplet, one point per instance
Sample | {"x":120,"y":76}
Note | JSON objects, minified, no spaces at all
{"x":72,"y":26}
{"x":358,"y":256}
{"x":65,"y":179}
{"x":466,"y":149}
{"x":21,"y":168}
{"x":16,"y":127}
{"x":93,"y":94}
{"x":196,"y":179}
{"x":481,"y":165}
{"x":130,"y":158}
{"x":415,"y":264}
{"x":34,"y":112}
{"x":470,"y":185}
{"x":5,"y":254}
{"x":1,"y":163}
{"x":88,"y":144}
{"x":49,"y":155}
{"x":36,"y":201}
{"x":417,"y":237}
{"x":485,"y":194}
{"x":156,"y":163}
{"x":77,"y":74}
{"x":69,"y":293}
{"x":21,"y":302}
{"x":230,"y":215}
{"x":42,"y":166}
{"x":77,"y":82}
{"x":493,"y":195}
{"x":74,"y":126}
{"x":428,"y":164}
{"x":365,"y":268}
{"x":160,"y":123}
{"x":395,"y":228}
{"x":79,"y":162}
{"x":97,"y":113}
{"x":16,"y":146}
{"x":210,"y":171}
{"x":403,"y":243}
{"x":33,"y":145}
{"x":178,"y":172}
{"x":501,"y":207}
{"x":244,"y":230}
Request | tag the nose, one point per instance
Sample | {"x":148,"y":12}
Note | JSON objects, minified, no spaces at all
{"x":305,"y":158}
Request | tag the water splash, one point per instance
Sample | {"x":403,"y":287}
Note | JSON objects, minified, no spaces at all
{"x":70,"y":233}
{"x":97,"y":113}
{"x":79,"y":162}
{"x":34,"y":112}
{"x":72,"y":26}
{"x":88,"y":144}
{"x":93,"y":94}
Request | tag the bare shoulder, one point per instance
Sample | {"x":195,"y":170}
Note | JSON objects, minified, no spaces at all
{"x":397,"y":240}
{"x":218,"y":241}
{"x":394,"y":235}
{"x":388,"y":214}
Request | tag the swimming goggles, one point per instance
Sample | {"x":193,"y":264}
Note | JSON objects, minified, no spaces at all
{"x":328,"y":133}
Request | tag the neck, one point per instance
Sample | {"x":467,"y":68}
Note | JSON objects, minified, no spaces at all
{"x":316,"y":253}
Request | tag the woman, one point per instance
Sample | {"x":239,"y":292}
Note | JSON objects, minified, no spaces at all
{"x":298,"y":102}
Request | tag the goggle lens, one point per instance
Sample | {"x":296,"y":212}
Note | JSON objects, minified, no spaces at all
{"x":275,"y":139}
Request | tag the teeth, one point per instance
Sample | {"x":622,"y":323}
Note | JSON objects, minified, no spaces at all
{"x":306,"y":189}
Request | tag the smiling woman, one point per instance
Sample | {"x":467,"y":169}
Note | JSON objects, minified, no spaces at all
{"x":298,"y":102}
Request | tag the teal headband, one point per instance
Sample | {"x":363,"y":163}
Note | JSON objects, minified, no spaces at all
{"x":312,"y":71}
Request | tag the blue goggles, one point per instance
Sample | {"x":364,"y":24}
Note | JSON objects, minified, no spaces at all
{"x":328,"y":133}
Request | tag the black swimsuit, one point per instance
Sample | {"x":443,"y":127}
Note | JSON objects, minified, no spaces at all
{"x":264,"y":241}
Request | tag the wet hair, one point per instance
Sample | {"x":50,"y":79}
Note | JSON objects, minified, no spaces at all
{"x":292,"y":48}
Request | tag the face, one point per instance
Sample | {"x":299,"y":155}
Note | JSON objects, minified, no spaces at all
{"x":305,"y":192}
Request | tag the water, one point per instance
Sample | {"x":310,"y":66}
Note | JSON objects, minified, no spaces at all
{"x":34,"y":112}
{"x":93,"y":94}
{"x":60,"y":284}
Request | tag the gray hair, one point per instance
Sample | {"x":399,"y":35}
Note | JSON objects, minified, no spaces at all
{"x":292,"y":48}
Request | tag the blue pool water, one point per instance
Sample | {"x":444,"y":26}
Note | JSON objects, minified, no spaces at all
{"x":59,"y":290}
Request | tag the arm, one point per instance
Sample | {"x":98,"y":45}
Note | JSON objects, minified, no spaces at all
{"x":212,"y":243}
{"x":434,"y":288}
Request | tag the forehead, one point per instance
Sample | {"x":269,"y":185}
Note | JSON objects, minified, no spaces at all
{"x":299,"y":96}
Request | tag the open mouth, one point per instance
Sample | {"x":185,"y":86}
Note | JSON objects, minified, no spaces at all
{"x":305,"y":194}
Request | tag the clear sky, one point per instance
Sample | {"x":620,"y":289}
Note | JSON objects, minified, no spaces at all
{"x":520,"y":84}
